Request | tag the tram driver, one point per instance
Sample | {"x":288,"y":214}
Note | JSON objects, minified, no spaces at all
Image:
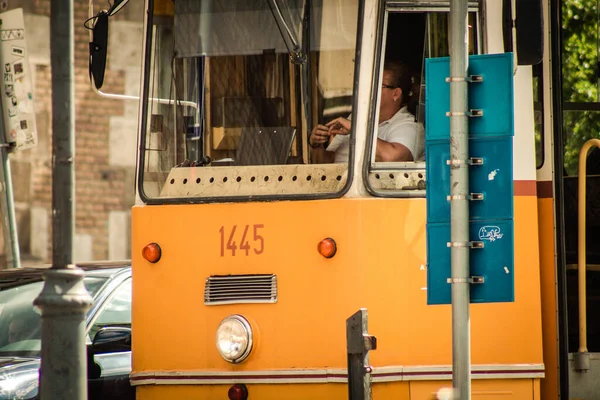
{"x":399,"y":136}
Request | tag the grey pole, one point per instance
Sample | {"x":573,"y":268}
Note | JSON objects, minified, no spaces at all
{"x":459,"y":205}
{"x":7,"y":203}
{"x":64,"y":299}
{"x":9,"y":220}
{"x":14,"y":256}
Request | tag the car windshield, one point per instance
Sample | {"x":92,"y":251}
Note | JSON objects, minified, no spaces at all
{"x":20,"y":323}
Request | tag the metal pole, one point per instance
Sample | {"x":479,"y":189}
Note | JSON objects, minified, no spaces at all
{"x":459,"y":205}
{"x":7,"y":203}
{"x":9,"y":222}
{"x":582,"y":357}
{"x":64,"y":299}
{"x":10,"y":212}
{"x":358,"y":345}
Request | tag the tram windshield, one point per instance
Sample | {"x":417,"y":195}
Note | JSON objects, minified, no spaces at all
{"x":234,"y":87}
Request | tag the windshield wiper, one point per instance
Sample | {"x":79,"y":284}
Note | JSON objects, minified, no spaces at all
{"x":296,"y":50}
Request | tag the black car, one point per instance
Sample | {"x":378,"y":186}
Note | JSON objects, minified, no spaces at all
{"x":108,"y":332}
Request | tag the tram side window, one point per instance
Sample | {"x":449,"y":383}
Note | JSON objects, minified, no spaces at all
{"x":398,"y":141}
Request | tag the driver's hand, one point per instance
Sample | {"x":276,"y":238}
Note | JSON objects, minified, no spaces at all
{"x":319,"y":135}
{"x":339,"y":126}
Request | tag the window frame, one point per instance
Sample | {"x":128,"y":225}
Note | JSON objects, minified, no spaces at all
{"x":143,"y":129}
{"x":106,"y":299}
{"x":413,"y":167}
{"x":541,"y":104}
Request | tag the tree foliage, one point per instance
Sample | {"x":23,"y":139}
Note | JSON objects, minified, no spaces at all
{"x":580,"y":76}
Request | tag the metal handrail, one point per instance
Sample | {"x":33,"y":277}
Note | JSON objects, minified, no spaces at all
{"x":581,"y":246}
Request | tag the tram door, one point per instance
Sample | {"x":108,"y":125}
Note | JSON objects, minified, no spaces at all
{"x":580,"y":90}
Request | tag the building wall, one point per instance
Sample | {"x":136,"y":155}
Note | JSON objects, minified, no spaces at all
{"x":105,"y":139}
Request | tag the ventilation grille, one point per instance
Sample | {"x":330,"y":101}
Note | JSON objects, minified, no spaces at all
{"x":232,"y":289}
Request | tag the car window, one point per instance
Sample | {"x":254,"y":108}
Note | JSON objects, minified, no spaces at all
{"x":93,"y":284}
{"x":20,"y":322}
{"x":116,"y":311}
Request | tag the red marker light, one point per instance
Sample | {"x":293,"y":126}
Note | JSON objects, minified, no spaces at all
{"x":238,"y":392}
{"x":152,"y":252}
{"x":327,"y":247}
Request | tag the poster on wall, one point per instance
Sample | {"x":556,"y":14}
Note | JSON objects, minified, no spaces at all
{"x":17,"y":92}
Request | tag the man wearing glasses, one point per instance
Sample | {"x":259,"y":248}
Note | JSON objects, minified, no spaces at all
{"x":399,"y":137}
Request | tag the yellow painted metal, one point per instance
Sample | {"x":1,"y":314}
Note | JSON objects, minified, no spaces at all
{"x":380,"y":265}
{"x":550,"y":383}
{"x":396,"y":390}
{"x":489,"y":389}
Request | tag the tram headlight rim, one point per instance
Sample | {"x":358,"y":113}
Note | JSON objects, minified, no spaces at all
{"x":247,"y":330}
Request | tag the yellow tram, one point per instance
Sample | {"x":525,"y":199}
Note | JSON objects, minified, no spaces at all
{"x":250,"y":251}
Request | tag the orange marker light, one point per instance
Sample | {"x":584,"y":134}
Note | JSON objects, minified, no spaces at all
{"x":327,"y":247}
{"x":152,"y":252}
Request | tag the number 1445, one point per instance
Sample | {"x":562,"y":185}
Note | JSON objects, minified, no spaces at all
{"x":251,"y":239}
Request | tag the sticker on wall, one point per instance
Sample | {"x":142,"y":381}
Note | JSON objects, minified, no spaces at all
{"x":12,"y":34}
{"x":18,"y":68}
{"x":18,"y":51}
{"x":490,"y":233}
{"x":18,"y":100}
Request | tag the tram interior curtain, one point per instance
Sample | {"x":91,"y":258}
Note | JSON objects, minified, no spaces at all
{"x":243,"y":27}
{"x":232,"y":27}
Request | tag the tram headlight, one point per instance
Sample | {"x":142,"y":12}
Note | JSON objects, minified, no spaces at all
{"x":234,"y":339}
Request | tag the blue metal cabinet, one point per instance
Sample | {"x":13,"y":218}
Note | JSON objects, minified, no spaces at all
{"x":494,"y":262}
{"x":494,"y":96}
{"x":490,"y":182}
{"x":493,"y":179}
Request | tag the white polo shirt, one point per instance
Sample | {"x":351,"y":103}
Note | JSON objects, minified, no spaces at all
{"x":401,"y":128}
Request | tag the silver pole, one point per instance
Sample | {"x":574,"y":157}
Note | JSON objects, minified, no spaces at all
{"x":64,"y":299}
{"x":7,"y":203}
{"x":15,"y":254}
{"x":9,"y":221}
{"x":459,"y":206}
